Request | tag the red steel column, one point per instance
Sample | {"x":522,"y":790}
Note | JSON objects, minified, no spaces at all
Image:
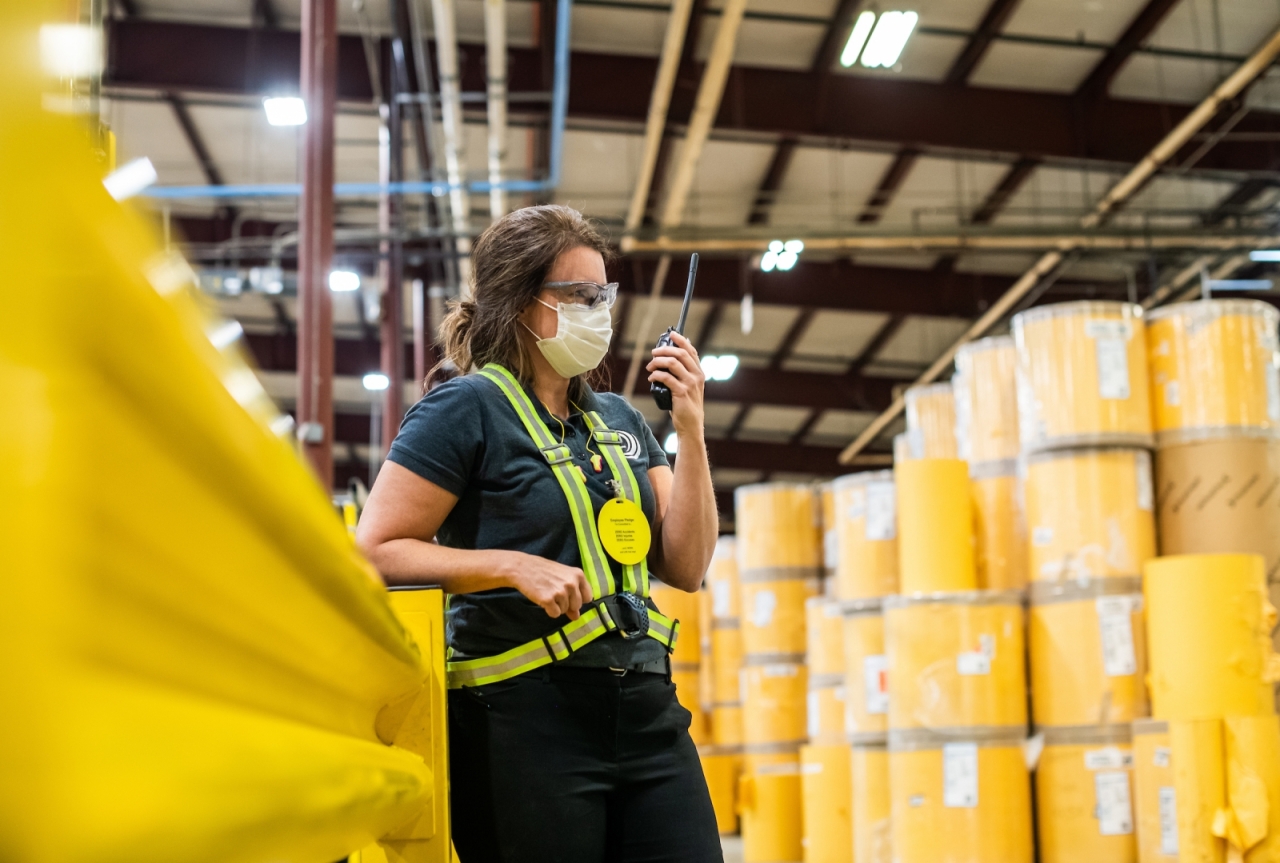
{"x":390,"y":220}
{"x":315,"y":236}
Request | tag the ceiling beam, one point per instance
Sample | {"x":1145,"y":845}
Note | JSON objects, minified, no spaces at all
{"x":893,"y":177}
{"x":616,"y":87}
{"x":182,"y":114}
{"x":265,"y":15}
{"x":1140,"y":28}
{"x":1009,"y":184}
{"x":767,"y":192}
{"x":992,"y":23}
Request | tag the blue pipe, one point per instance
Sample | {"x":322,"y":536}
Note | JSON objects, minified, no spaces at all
{"x":559,"y":111}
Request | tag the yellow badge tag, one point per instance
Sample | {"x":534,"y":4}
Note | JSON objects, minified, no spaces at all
{"x":624,"y":531}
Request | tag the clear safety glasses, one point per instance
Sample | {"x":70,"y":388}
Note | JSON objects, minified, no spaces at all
{"x":587,"y":294}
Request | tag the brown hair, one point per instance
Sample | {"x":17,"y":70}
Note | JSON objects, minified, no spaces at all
{"x":510,"y":261}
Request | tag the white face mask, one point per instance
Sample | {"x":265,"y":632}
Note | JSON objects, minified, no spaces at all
{"x":581,"y":339}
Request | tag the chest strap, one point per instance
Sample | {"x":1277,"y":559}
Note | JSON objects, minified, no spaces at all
{"x":635,"y":577}
{"x":611,"y":614}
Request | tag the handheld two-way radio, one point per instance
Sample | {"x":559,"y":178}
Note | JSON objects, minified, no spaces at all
{"x":661,"y":392}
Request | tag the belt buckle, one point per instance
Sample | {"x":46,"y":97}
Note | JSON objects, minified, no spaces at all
{"x":633,"y":616}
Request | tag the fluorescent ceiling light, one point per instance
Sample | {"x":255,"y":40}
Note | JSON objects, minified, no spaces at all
{"x":719,"y":368}
{"x":71,"y":50}
{"x":285,"y":111}
{"x":781,"y":256}
{"x":344,"y":280}
{"x":857,"y":38}
{"x":889,"y":38}
{"x":1265,"y":255}
{"x":376,"y":382}
{"x":672,"y":443}
{"x":130,"y":179}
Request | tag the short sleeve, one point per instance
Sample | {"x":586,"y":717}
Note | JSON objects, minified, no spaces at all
{"x":657,"y":457}
{"x":441,"y":436}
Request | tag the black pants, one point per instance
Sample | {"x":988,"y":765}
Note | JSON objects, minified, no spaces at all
{"x":577,"y":765}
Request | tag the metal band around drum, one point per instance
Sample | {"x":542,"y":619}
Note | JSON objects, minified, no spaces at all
{"x":785,"y":769}
{"x":917,"y":739}
{"x":993,"y":469}
{"x":773,"y":659}
{"x":868,"y":739}
{"x":856,"y":607}
{"x":719,"y":749}
{"x":785,"y":748}
{"x":717,"y":705}
{"x":779,"y":573}
{"x":825,"y":681}
{"x":1076,"y":589}
{"x":684,"y":667}
{"x":963,"y":597}
{"x":1150,"y":726}
{"x":726,"y":623}
{"x":1085,"y":735}
{"x":1069,"y":446}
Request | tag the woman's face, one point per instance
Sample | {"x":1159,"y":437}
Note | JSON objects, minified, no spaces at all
{"x":579,"y":264}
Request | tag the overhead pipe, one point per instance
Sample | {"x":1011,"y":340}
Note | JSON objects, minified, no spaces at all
{"x":446,"y":31}
{"x":1136,"y":240}
{"x":710,"y":91}
{"x":559,"y":113}
{"x":495,"y":36}
{"x":1140,"y":173}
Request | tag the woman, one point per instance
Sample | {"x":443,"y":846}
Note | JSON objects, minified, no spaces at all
{"x":551,"y":504}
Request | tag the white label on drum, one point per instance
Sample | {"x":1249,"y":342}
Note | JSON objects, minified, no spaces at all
{"x":781,"y":669}
{"x":875,"y":683}
{"x":881,"y":512}
{"x":1108,"y":758}
{"x":762,"y":609}
{"x":830,"y":555}
{"x":1120,"y":330}
{"x":812,"y":768}
{"x":1273,"y":389}
{"x":1113,"y":368}
{"x":720,"y":596}
{"x":1115,"y":624}
{"x":1161,"y":758}
{"x":1115,"y":811}
{"x":987,"y":645}
{"x":1172,"y":394}
{"x":831,"y":609}
{"x":814,"y":719}
{"x":1168,"y":822}
{"x":973,"y":662}
{"x":1042,"y":535}
{"x":960,"y":775}
{"x":1146,"y":491}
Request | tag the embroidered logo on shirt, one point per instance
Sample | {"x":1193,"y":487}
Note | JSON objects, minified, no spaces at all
{"x":630,"y":444}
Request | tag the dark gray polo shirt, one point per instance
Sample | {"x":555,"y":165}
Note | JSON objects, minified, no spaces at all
{"x":465,"y":437}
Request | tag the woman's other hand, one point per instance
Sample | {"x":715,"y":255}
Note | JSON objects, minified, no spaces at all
{"x":678,"y":367}
{"x":556,"y":588}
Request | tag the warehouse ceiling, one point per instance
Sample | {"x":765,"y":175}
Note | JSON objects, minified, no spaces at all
{"x":1006,"y":119}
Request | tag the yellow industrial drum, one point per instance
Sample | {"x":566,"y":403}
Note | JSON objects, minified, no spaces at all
{"x":866,"y":535}
{"x":956,"y":661}
{"x":825,"y":661}
{"x":779,"y":551}
{"x":1253,"y":771}
{"x":986,"y":395}
{"x":931,"y":421}
{"x":1220,"y":495}
{"x":1215,"y":367}
{"x":773,"y":707}
{"x":722,"y":580}
{"x":1082,"y":376}
{"x":959,"y":799}
{"x":826,"y":794}
{"x":722,"y":769}
{"x":827,"y":496}
{"x":1209,"y":624}
{"x":779,"y":526}
{"x":1000,"y":530}
{"x":706,"y":671}
{"x":1198,"y":753}
{"x":769,"y":801}
{"x":1090,"y":513}
{"x":872,"y":829}
{"x":687,"y":657}
{"x":866,"y":679}
{"x":1087,"y":651}
{"x":726,"y":724}
{"x":1084,"y":795}
{"x":935,"y":526}
{"x":1155,"y":802}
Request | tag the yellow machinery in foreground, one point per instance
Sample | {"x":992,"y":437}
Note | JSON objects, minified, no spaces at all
{"x":199,"y":665}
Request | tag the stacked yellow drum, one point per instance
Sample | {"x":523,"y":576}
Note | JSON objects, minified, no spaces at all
{"x":931,"y":422}
{"x":986,"y":410}
{"x":1212,"y":764}
{"x":779,"y":550}
{"x":958,"y":781}
{"x":825,"y":761}
{"x":1085,"y":431}
{"x":686,"y":660}
{"x":1215,"y":381}
{"x":722,"y":760}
